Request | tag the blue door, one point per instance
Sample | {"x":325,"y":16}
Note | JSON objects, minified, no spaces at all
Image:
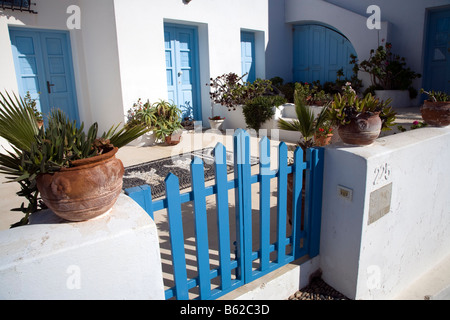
{"x":182,"y":68}
{"x":319,"y":52}
{"x":43,"y":64}
{"x":248,"y":56}
{"x":437,"y":52}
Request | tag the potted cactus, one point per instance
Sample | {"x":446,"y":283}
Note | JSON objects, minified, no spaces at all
{"x":74,"y":171}
{"x":436,"y":110}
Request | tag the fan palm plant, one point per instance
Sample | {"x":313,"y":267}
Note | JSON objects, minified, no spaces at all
{"x":306,"y":123}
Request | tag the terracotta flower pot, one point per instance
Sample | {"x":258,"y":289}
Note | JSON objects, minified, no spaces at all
{"x":363,"y":130}
{"x":84,"y":191}
{"x":323,"y":141}
{"x":436,"y":113}
{"x":173,"y":139}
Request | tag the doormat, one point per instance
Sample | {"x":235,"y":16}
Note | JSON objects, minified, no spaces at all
{"x":154,"y":172}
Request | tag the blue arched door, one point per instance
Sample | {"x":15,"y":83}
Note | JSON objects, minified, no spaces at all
{"x":319,"y":52}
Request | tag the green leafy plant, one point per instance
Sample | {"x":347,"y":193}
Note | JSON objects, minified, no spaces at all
{"x":312,"y":92}
{"x":162,"y":117}
{"x":260,"y":109}
{"x":230,"y":90}
{"x":436,"y":96}
{"x":388,"y":71}
{"x":348,"y":106}
{"x":46,"y":150}
{"x":306,"y":123}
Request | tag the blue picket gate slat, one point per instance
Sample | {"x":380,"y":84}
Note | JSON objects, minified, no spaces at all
{"x":282,"y":201}
{"x":223,"y":224}
{"x":201,"y":226}
{"x":176,"y":236}
{"x":264,"y":202}
{"x":302,"y":241}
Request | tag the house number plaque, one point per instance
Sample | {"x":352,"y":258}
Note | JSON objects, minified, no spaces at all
{"x":382,"y":174}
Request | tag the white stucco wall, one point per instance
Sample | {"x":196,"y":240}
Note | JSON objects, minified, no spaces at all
{"x":140,"y":33}
{"x":114,"y":256}
{"x":94,"y":53}
{"x":380,"y":259}
{"x":118,"y":53}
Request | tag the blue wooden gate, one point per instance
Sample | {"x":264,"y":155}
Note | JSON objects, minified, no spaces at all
{"x":237,"y":266}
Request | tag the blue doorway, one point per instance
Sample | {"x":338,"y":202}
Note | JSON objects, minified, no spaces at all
{"x":437,"y":52}
{"x":319,"y":52}
{"x":43,"y":64}
{"x":181,"y":54}
{"x":248,"y":61}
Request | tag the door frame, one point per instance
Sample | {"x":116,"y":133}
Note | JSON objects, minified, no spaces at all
{"x":196,"y":93}
{"x":70,"y":71}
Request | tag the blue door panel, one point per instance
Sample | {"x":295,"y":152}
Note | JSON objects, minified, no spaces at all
{"x":43,"y":65}
{"x":319,"y":52}
{"x":248,"y":61}
{"x":182,"y":68}
{"x":437,"y":52}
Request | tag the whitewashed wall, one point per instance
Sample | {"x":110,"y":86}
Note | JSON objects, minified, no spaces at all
{"x":377,"y":260}
{"x":118,"y":52}
{"x":115,"y":256}
{"x":140,"y":32}
{"x":94,"y":51}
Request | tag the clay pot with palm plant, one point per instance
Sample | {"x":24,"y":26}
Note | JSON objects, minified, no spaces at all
{"x":62,"y":166}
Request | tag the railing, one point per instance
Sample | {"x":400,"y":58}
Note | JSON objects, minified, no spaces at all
{"x":241,"y":267}
{"x":21,"y":5}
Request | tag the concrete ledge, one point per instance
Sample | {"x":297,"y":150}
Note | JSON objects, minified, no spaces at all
{"x":279,"y":284}
{"x":433,"y":285}
{"x":115,"y":256}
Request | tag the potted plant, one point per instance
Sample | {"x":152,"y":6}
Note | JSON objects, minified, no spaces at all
{"x":436,"y":110}
{"x":230,"y":91}
{"x":168,"y":123}
{"x":360,"y":120}
{"x":162,"y":119}
{"x":74,"y":171}
{"x":323,"y":134}
{"x":261,"y":109}
{"x":390,"y":76}
{"x":216,"y":122}
{"x":306,"y":123}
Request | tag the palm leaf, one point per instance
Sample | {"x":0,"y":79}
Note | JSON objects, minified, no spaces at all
{"x":18,"y":124}
{"x":125,"y":135}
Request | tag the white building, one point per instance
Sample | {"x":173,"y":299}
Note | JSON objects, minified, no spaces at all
{"x":96,"y":58}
